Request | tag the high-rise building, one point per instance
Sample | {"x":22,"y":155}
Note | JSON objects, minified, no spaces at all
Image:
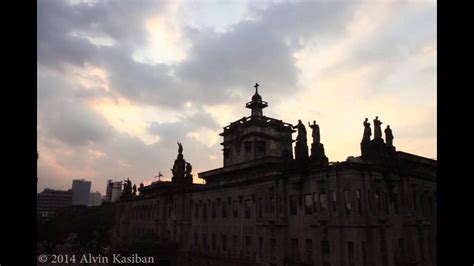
{"x":81,"y":190}
{"x":95,"y":199}
{"x":113,"y":191}
{"x":49,"y":200}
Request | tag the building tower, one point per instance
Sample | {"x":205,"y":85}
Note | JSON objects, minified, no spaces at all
{"x":257,"y":136}
{"x":256,"y":104}
{"x":81,"y":190}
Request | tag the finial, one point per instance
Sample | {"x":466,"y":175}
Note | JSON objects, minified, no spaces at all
{"x":256,"y":87}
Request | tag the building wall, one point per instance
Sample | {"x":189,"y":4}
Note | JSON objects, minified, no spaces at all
{"x":48,"y":201}
{"x":279,"y":222}
{"x":95,"y":199}
{"x":81,"y":191}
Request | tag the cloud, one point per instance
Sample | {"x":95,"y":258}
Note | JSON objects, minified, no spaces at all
{"x":119,"y":82}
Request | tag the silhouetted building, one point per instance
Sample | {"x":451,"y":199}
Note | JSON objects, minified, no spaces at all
{"x":49,"y":201}
{"x":263,"y":207}
{"x":81,"y":190}
{"x":95,"y":199}
{"x":113,"y":191}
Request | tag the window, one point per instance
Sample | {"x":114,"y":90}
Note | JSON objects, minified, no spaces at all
{"x":415,"y":199}
{"x":248,"y":244}
{"x":359,"y":202}
{"x":334,"y":201}
{"x":259,"y":208}
{"x":248,"y":146}
{"x":224,"y":243}
{"x":294,"y":248}
{"x":347,"y":202}
{"x":401,"y":250}
{"x":214,"y":210}
{"x":195,"y":239}
{"x":385,"y":203}
{"x":383,"y":247}
{"x":247,"y":209}
{"x":235,"y":242}
{"x":308,"y":204}
{"x":309,"y":250}
{"x":272,"y":247}
{"x":364,"y":253}
{"x":213,"y":241}
{"x":204,"y":240}
{"x":350,"y":252}
{"x":224,"y":209}
{"x":272,"y":204}
{"x":158,"y":209}
{"x":396,"y":208}
{"x":430,"y":201}
{"x":235,"y":209}
{"x":371,"y":205}
{"x":204,"y":211}
{"x":196,"y":212}
{"x":315,"y":202}
{"x":260,"y":246}
{"x":377,"y":200}
{"x":323,"y":202}
{"x":293,"y":205}
{"x":422,"y":200}
{"x":261,"y":147}
{"x":326,"y":253}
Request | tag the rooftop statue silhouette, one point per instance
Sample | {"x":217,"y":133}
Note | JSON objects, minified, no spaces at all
{"x":389,"y":136}
{"x":301,"y":132}
{"x":315,"y":133}
{"x":377,"y":128}
{"x":301,"y":147}
{"x":180,"y":147}
{"x":367,"y":131}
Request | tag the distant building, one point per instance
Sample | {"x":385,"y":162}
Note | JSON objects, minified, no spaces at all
{"x":81,"y":190}
{"x":51,"y":200}
{"x":95,"y":199}
{"x":113,"y":191}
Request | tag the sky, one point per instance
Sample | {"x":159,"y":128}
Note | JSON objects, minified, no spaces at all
{"x":120,"y":82}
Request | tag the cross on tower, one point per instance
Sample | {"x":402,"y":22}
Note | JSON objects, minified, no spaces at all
{"x":256,"y":87}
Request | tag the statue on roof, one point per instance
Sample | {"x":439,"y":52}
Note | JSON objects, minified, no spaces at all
{"x":301,"y":132}
{"x":367,"y":131}
{"x":389,"y":136}
{"x":189,"y":169}
{"x":301,"y":147}
{"x":377,"y":128}
{"x":180,"y":147}
{"x":315,"y":133}
{"x":134,"y":190}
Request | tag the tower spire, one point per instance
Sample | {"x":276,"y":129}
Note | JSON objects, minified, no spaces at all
{"x":256,"y":105}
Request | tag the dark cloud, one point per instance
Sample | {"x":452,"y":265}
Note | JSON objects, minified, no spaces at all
{"x":76,"y":125}
{"x":169,"y":131}
{"x":217,"y":67}
{"x":257,"y":50}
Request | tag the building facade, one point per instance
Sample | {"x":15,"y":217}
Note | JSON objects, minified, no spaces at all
{"x":49,"y":201}
{"x":95,"y":199}
{"x":81,"y":190}
{"x":113,"y":190}
{"x":268,"y":207}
